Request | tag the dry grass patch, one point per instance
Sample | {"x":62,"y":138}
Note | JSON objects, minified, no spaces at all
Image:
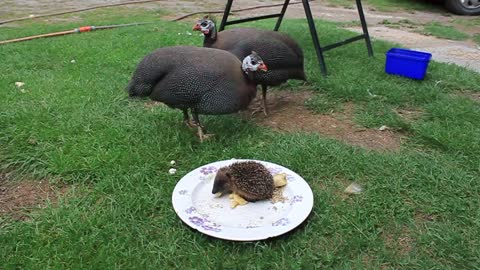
{"x":17,"y":199}
{"x":287,"y":113}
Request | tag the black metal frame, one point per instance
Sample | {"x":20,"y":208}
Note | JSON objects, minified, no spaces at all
{"x":311,"y":24}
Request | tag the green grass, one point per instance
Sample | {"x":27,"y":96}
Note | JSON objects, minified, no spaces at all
{"x":467,"y":21}
{"x":444,"y":31}
{"x":476,"y":38}
{"x":116,"y":153}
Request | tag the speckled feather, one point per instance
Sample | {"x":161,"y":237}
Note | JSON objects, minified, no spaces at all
{"x":207,"y":80}
{"x":282,"y":55}
{"x":251,"y":180}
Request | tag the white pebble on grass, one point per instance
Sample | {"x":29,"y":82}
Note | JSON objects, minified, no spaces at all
{"x":172,"y":162}
{"x":73,"y":61}
{"x":19,"y":84}
{"x":172,"y":171}
{"x":354,"y":188}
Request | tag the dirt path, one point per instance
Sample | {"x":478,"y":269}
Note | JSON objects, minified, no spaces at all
{"x":457,"y":52}
{"x":462,"y":53}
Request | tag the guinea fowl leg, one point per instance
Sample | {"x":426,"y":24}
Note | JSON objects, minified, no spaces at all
{"x":264,"y":102}
{"x":264,"y":99}
{"x":201,"y":134}
{"x":186,"y":119}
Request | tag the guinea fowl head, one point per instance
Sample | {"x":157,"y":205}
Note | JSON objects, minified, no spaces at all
{"x":205,"y":25}
{"x":253,"y":63}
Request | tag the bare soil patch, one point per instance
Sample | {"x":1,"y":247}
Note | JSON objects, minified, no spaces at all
{"x":421,"y":217}
{"x":336,"y":187}
{"x":409,"y":114}
{"x":401,"y":242}
{"x":473,"y":96}
{"x":287,"y":113}
{"x":17,"y":199}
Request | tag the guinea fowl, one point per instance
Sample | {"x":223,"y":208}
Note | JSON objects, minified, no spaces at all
{"x":281,"y":54}
{"x":204,"y":80}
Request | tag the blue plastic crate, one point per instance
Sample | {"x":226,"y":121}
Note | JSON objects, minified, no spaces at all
{"x":407,"y":63}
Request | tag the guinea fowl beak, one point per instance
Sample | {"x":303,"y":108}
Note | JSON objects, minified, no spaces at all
{"x":196,"y":27}
{"x":263,"y":67}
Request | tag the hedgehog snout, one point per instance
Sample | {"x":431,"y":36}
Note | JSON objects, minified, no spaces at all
{"x":221,"y":182}
{"x":220,"y":187}
{"x":216,"y":189}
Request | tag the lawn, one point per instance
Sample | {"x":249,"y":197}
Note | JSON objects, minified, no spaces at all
{"x":442,"y":31}
{"x":74,"y":125}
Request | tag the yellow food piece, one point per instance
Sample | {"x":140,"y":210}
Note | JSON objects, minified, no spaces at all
{"x":235,"y":200}
{"x":280,"y":180}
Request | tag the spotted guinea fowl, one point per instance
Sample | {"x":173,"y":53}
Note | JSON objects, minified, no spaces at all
{"x":281,"y":54}
{"x":204,"y":80}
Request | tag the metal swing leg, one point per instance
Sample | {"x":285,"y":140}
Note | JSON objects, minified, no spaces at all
{"x":225,"y":15}
{"x":316,"y":43}
{"x":311,"y":24}
{"x":282,"y":13}
{"x":228,"y":8}
{"x":364,"y":28}
{"x":313,"y":32}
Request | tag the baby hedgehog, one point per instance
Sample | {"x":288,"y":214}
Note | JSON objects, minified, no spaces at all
{"x":250,"y":180}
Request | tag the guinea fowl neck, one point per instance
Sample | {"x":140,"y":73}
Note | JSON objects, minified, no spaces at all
{"x":252,"y":77}
{"x":210,"y":38}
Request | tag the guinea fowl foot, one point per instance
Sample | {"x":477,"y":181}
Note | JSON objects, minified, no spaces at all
{"x":190,"y":124}
{"x":260,"y":109}
{"x":202,"y":135}
{"x":187,"y":121}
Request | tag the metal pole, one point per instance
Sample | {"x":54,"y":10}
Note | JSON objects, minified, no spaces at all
{"x":225,"y":15}
{"x":364,"y":27}
{"x":313,"y":32}
{"x":279,"y":21}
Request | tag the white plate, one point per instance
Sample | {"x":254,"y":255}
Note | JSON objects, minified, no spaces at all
{"x":195,"y":204}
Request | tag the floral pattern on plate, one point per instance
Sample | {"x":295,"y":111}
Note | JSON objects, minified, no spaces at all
{"x":205,"y":223}
{"x":208,"y":170}
{"x":296,"y":199}
{"x":281,"y":222}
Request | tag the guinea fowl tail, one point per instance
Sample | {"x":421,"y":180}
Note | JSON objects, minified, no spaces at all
{"x":304,"y":77}
{"x":138,"y":89}
{"x":299,"y":75}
